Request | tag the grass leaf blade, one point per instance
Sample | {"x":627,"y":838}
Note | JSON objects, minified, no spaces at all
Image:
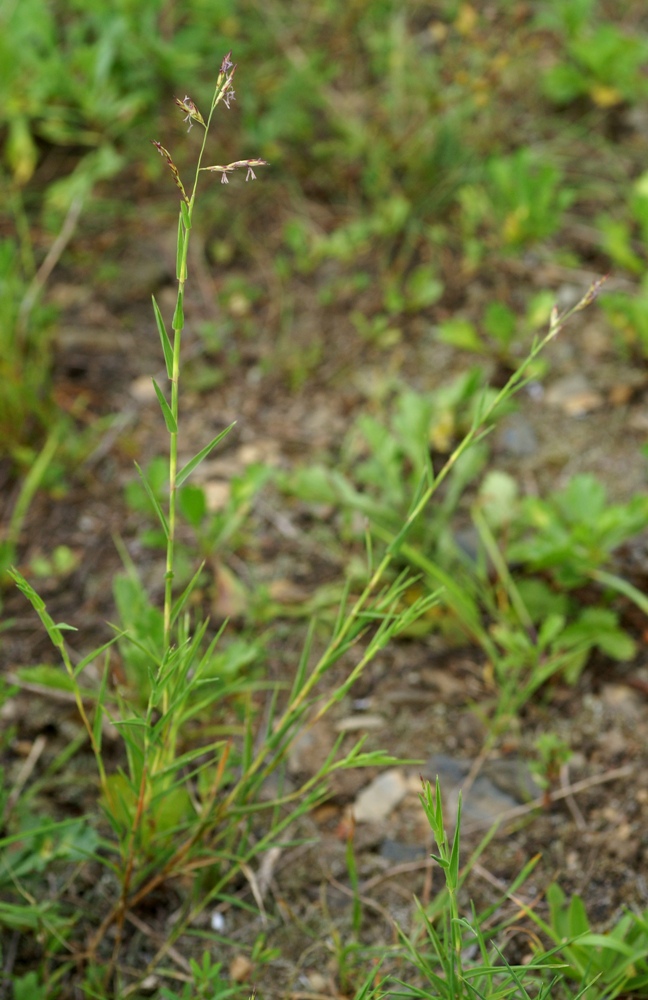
{"x":156,"y":505}
{"x":164,"y":337}
{"x":169,"y":419}
{"x":186,"y":471}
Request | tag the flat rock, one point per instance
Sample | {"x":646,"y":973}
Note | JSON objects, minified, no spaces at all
{"x":501,"y":785}
{"x":380,"y":797}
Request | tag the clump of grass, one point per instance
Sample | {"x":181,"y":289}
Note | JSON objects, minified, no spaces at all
{"x":182,"y":810}
{"x":179,"y":808}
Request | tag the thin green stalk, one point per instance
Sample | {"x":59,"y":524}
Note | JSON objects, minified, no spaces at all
{"x":350,"y":621}
{"x":477,"y":430}
{"x":55,"y":633}
{"x":168,"y":681}
{"x":503,"y":571}
{"x":184,"y":229}
{"x":221,"y":91}
{"x":31,"y":484}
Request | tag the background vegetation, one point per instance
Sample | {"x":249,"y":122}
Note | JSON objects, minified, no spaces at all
{"x":439,"y":175}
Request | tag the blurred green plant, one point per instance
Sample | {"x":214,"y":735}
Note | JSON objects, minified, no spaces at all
{"x":76,"y":77}
{"x":602,"y":62}
{"x":553,"y":752}
{"x":615,"y":962}
{"x":457,"y":957}
{"x":216,"y":530}
{"x":539,"y":627}
{"x":179,"y":804}
{"x":628,"y":315}
{"x":384,"y":465}
{"x":525,"y":565}
{"x":25,"y":358}
{"x":520,"y":201}
{"x":209,"y":982}
{"x":624,"y":236}
{"x":574,"y":532}
{"x":504,"y":333}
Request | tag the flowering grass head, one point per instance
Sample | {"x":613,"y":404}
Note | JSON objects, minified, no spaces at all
{"x":223,"y":93}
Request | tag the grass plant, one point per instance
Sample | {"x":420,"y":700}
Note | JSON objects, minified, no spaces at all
{"x":179,"y":806}
{"x":406,"y":136}
{"x":514,"y":588}
{"x":200,"y":796}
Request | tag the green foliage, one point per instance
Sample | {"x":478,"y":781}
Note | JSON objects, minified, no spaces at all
{"x":538,"y":629}
{"x":458,"y":957}
{"x":570,"y":537}
{"x":601,"y":62}
{"x":520,"y":201}
{"x":28,"y":987}
{"x":208,"y":982}
{"x":553,"y":753}
{"x":179,"y":804}
{"x":615,"y":963}
{"x":24,"y":357}
{"x":384,"y":466}
{"x":625,"y":234}
{"x":501,"y":332}
{"x":574,"y":531}
{"x":628,"y":314}
{"x":77,"y":76}
{"x":215,"y":533}
{"x":388,"y":135}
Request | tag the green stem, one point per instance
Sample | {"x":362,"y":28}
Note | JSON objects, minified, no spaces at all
{"x":515,"y":382}
{"x":184,"y":230}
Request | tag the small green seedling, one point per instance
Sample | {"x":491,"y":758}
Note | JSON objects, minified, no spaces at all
{"x":520,"y":201}
{"x":603,"y":63}
{"x":501,"y":332}
{"x":613,"y":963}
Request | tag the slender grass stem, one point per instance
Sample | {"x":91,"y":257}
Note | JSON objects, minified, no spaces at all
{"x":223,"y":85}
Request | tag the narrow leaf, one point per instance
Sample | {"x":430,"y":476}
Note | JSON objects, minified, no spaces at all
{"x":186,"y":594}
{"x":453,"y":879}
{"x":169,"y":419}
{"x":605,"y":941}
{"x":178,"y":317}
{"x":164,"y":337}
{"x":95,"y":654}
{"x":186,"y":214}
{"x":53,"y":631}
{"x":622,"y":587}
{"x":150,"y":494}
{"x":182,"y":236}
{"x":97,"y":729}
{"x":193,"y":463}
